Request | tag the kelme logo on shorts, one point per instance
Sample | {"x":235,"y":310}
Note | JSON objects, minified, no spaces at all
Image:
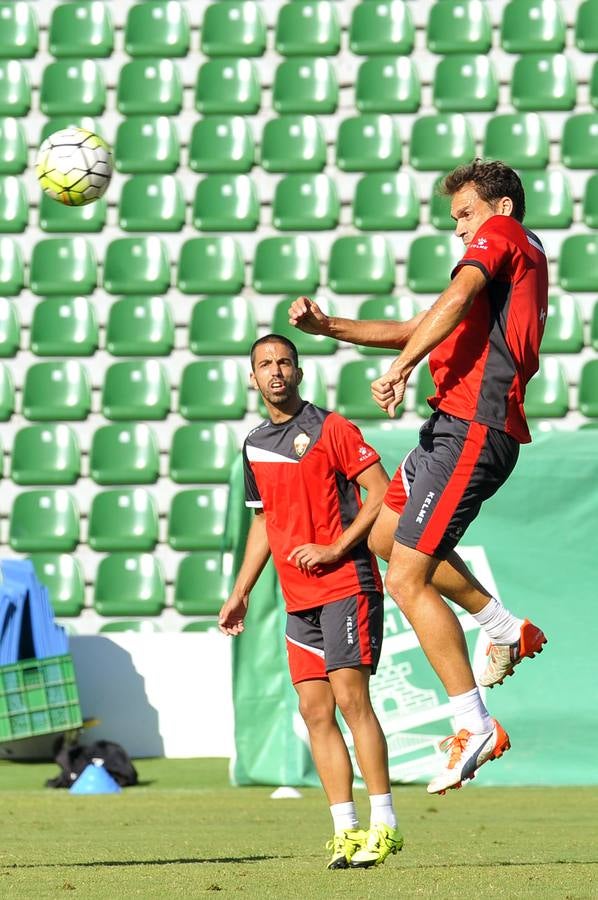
{"x":424,"y":509}
{"x":349,"y":629}
{"x":301,"y":443}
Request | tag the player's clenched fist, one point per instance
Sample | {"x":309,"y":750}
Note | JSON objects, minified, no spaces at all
{"x":306,"y":315}
{"x":388,"y":390}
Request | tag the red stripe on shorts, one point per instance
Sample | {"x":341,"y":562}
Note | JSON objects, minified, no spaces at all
{"x":363,"y":629}
{"x":455,"y":488}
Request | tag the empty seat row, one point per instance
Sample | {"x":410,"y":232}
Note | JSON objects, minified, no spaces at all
{"x":461,"y":83}
{"x":238,"y":28}
{"x":124,"y":453}
{"x":133,"y":584}
{"x":358,"y":264}
{"x":119,"y":519}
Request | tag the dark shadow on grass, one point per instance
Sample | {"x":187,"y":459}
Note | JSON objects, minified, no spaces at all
{"x":142,"y":862}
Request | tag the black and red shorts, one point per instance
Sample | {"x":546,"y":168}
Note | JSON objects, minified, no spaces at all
{"x":440,"y":486}
{"x":338,"y":635}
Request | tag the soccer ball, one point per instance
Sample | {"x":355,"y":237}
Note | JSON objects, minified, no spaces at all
{"x":74,"y":166}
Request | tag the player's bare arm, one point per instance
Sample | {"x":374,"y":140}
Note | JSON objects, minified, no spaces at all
{"x":441,"y":319}
{"x":257,"y":553}
{"x":306,"y":315}
{"x":374,"y":480}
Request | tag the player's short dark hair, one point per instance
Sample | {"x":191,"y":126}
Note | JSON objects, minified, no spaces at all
{"x":491,"y":179}
{"x":278,"y":339}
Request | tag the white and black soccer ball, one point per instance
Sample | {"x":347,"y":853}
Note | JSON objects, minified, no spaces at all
{"x":74,"y":166}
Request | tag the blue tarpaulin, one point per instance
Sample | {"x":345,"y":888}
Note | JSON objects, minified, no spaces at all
{"x":27,"y":626}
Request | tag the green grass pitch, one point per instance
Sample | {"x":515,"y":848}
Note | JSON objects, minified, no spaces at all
{"x":186,"y":833}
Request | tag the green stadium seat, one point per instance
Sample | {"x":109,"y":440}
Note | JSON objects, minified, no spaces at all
{"x":45,"y":454}
{"x":387,"y":84}
{"x":578,"y":263}
{"x":14,"y":206}
{"x":58,"y":390}
{"x":159,"y":28}
{"x":233,"y":29}
{"x":547,"y":394}
{"x":310,"y":28}
{"x":222,"y":325}
{"x":202,"y":452}
{"x":579,"y":148}
{"x":136,"y":265}
{"x":441,"y":142}
{"x":15,"y":91}
{"x":136,"y":389}
{"x":222,"y":144}
{"x":152,"y":203}
{"x":594,"y":86}
{"x":532,"y":26}
{"x":201,"y":625}
{"x":386,"y":201}
{"x":307,"y":344}
{"x":286,"y":265}
{"x":140,"y":326}
{"x":125,"y":453}
{"x":424,"y":388}
{"x":293,"y":144}
{"x":212,"y":390}
{"x":18,"y":33}
{"x":12,"y":272}
{"x":7,"y":394}
{"x":61,"y":573}
{"x":543,"y":82}
{"x":590,"y":202}
{"x":135,"y":626}
{"x":588,"y":389}
{"x":81,"y":29}
{"x":313,"y":386}
{"x":361,"y":265}
{"x":201,"y":587}
{"x":368,"y":143}
{"x":385,"y":28}
{"x":459,"y":26}
{"x":548,"y":200}
{"x":146,"y":144}
{"x":13,"y":146}
{"x":354,"y":393}
{"x":594,"y":327}
{"x":306,"y":202}
{"x":430,"y":262}
{"x":228,"y":86}
{"x":564,"y":326}
{"x":226,"y":202}
{"x":57,"y":123}
{"x":123,"y":519}
{"x":10,"y":336}
{"x":305,"y":85}
{"x":586,"y":27}
{"x":211,"y":265}
{"x":63,"y":266}
{"x":398,"y":309}
{"x":149,"y":87}
{"x":64,"y":326}
{"x":72,"y":87}
{"x":440,"y":208}
{"x":518,"y":139}
{"x":129,"y":584}
{"x":465,"y":83}
{"x":57,"y":218}
{"x":197,"y":519}
{"x":44,"y":520}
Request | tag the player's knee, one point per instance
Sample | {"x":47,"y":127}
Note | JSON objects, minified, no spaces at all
{"x":402,"y":587}
{"x":353,"y":706}
{"x":316,"y":714}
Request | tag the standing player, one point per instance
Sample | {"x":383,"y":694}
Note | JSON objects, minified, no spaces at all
{"x":304,"y":467}
{"x":484,"y":332}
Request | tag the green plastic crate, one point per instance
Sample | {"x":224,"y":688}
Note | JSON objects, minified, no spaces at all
{"x":38,"y":696}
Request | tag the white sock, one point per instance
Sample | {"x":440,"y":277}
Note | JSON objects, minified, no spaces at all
{"x":344,"y":816}
{"x":469,"y":712}
{"x":382,"y":811}
{"x":501,"y":626}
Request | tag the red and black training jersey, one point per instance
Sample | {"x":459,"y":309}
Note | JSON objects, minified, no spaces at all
{"x":481,"y":369}
{"x":302,"y":474}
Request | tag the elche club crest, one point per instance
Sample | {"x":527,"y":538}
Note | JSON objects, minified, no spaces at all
{"x":301,"y":443}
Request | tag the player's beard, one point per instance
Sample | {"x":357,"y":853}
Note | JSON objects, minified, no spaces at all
{"x":282,"y":396}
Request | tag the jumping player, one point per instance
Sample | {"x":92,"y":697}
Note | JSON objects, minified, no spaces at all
{"x":483,"y":335}
{"x":304,"y":467}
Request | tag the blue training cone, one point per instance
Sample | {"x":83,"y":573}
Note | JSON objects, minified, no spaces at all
{"x":95,"y":780}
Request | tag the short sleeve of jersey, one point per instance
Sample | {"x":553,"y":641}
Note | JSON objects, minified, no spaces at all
{"x":490,"y":249}
{"x":252,"y":494}
{"x":349,"y":451}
